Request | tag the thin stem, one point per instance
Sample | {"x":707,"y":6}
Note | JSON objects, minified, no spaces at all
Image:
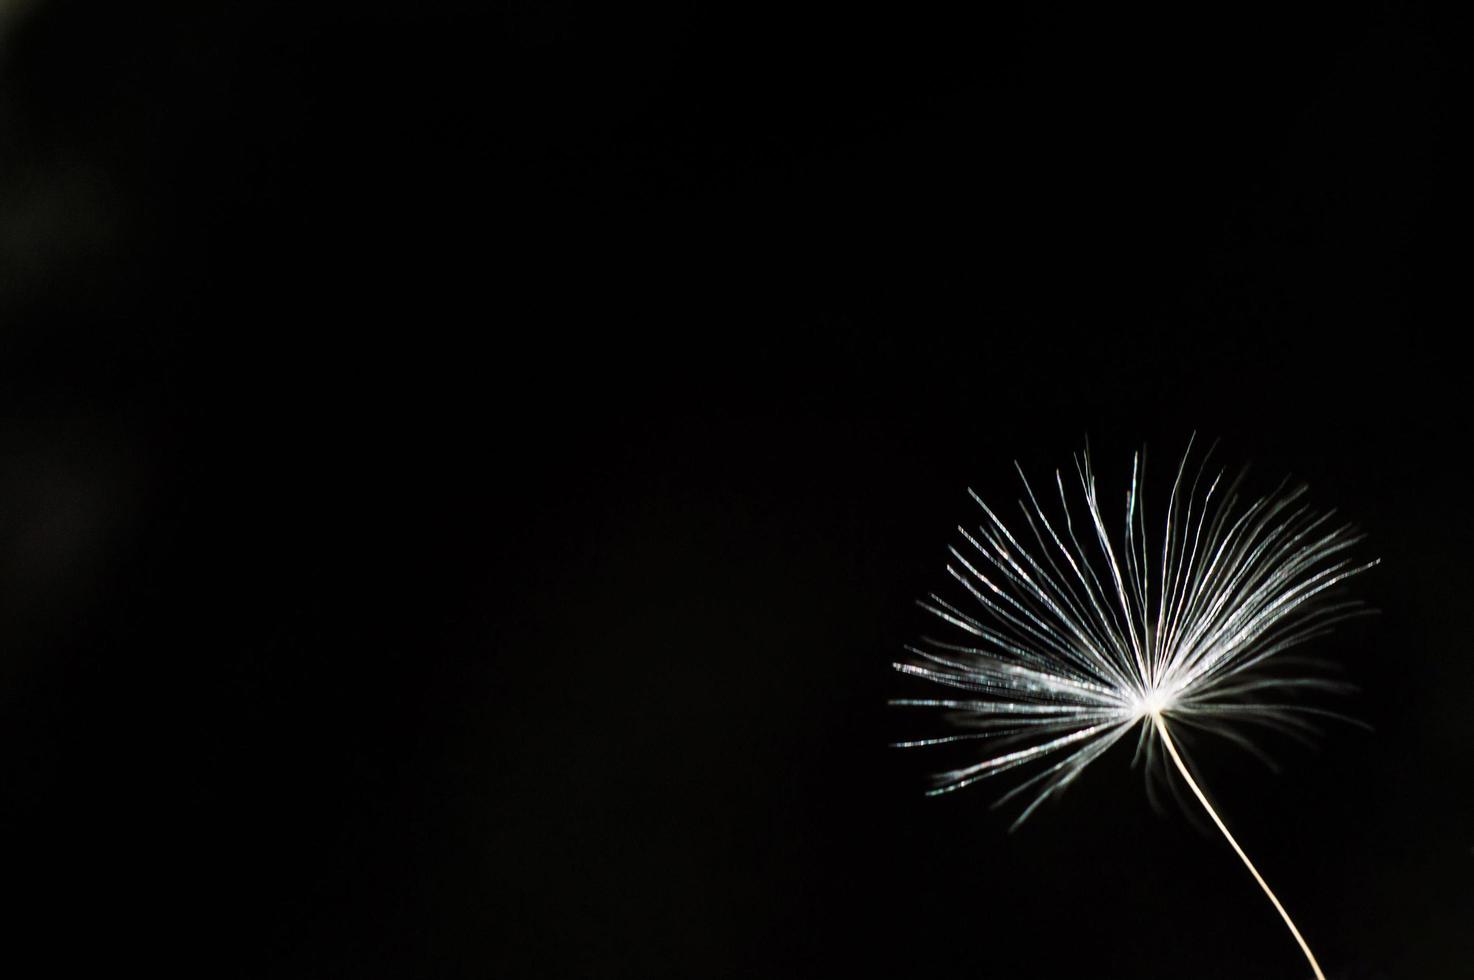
{"x":1182,"y":768}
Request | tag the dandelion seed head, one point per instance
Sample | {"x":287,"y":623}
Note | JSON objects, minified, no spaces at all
{"x":1065,"y":634}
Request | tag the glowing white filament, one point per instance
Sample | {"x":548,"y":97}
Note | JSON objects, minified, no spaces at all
{"x":1193,"y":785}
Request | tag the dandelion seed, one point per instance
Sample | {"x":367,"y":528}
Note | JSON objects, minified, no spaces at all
{"x":1070,"y":641}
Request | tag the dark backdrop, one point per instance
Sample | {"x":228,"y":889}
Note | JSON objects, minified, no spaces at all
{"x":466,"y":474}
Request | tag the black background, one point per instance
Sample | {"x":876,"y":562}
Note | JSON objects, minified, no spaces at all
{"x":466,"y":472}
